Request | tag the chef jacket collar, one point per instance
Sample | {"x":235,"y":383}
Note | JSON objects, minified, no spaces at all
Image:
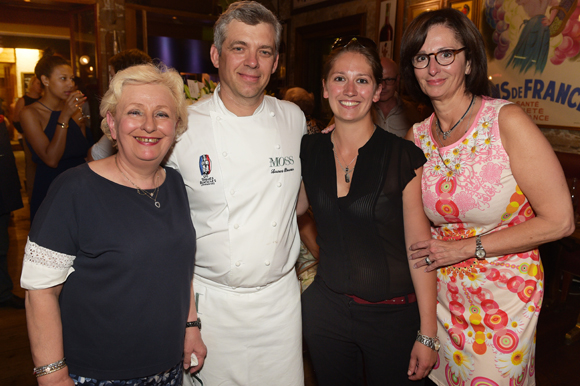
{"x":222,"y":109}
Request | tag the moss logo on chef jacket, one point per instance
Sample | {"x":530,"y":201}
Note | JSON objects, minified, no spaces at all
{"x":205,"y":170}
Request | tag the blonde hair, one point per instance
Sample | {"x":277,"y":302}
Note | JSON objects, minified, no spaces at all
{"x":145,"y":74}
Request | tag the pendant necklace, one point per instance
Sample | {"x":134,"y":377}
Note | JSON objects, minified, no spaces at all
{"x":139,"y":190}
{"x":448,"y":133}
{"x":345,"y":169}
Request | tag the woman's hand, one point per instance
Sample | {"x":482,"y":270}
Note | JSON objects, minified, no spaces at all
{"x":72,"y":105}
{"x":193,"y":345}
{"x":440,"y":253}
{"x":422,"y":361}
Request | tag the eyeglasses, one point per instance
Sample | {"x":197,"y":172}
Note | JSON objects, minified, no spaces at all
{"x":346,"y":40}
{"x":389,"y":81}
{"x":444,"y":58}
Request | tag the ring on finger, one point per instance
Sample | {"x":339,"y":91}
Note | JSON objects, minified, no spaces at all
{"x":428,"y":261}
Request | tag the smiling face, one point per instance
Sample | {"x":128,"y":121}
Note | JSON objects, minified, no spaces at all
{"x":351,"y":88}
{"x":247,"y":60}
{"x":61,"y":81}
{"x":144,"y":123}
{"x":442,"y":82}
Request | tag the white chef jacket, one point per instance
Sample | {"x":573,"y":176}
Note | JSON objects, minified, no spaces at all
{"x":242,"y":176}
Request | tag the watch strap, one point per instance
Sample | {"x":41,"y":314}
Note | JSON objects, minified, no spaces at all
{"x":196,"y":323}
{"x":62,"y":125}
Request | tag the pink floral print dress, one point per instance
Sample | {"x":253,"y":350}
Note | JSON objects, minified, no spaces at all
{"x":487,"y":309}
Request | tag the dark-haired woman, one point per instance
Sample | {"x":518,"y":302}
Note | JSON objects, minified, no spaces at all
{"x":494,"y":191}
{"x":53,"y":126}
{"x":367,"y":317}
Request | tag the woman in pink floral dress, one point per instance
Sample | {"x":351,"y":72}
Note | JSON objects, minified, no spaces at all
{"x":494,"y":191}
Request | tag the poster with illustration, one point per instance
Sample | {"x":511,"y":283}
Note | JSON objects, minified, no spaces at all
{"x":534,"y":57}
{"x":387,"y":20}
{"x":466,"y":7}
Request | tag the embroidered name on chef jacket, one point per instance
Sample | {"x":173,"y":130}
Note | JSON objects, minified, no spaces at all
{"x":281,"y":164}
{"x":205,"y":170}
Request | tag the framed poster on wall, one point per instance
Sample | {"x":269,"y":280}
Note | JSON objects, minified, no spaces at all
{"x":25,"y":79}
{"x":469,"y":8}
{"x":417,"y":9}
{"x":533,"y":58}
{"x":387,"y":14}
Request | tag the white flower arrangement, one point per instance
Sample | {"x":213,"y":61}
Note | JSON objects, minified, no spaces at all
{"x":194,"y":90}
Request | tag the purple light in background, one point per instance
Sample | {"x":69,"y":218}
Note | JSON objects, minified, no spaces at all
{"x":165,"y":46}
{"x":195,"y":55}
{"x":185,"y":55}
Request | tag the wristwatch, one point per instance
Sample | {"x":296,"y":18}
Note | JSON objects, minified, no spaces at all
{"x":197,"y":324}
{"x":432,"y":343}
{"x":479,"y":251}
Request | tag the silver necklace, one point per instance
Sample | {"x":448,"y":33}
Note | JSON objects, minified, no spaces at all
{"x":448,"y":133}
{"x":152,"y":195}
{"x":345,"y":169}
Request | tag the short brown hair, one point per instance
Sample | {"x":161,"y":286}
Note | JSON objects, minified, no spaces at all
{"x":465,"y":32}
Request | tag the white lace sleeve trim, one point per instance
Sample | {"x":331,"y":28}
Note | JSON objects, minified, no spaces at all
{"x":34,"y":253}
{"x":43,"y":268}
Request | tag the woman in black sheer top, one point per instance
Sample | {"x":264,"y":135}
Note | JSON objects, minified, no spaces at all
{"x":362,"y":314}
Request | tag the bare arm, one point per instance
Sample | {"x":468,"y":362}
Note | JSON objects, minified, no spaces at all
{"x":17,"y":109}
{"x":417,"y":228}
{"x":302,"y":204}
{"x":49,"y":151}
{"x":308,"y":233}
{"x":540,"y":177}
{"x":193,"y":342}
{"x":45,"y":333}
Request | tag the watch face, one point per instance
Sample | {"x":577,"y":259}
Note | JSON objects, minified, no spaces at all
{"x":480,"y":253}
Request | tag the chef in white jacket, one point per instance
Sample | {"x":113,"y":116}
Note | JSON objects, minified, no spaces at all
{"x":240,"y":160}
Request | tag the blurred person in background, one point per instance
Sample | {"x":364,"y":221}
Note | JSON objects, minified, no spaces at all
{"x":53,"y":126}
{"x":304,"y":100}
{"x":10,"y":200}
{"x":33,"y":93}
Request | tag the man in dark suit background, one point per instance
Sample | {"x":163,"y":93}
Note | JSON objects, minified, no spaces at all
{"x":10,"y":200}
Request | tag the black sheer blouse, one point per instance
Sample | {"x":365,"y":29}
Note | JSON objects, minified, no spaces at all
{"x":361,"y":235}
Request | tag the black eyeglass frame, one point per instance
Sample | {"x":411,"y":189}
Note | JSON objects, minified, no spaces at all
{"x":344,"y":41}
{"x":389,"y":81}
{"x":434,"y":54}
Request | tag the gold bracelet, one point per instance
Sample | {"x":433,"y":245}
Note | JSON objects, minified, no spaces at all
{"x":51,"y":368}
{"x":62,"y":125}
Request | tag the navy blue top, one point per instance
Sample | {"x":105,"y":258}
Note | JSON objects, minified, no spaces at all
{"x":75,"y":152}
{"x":125,"y":306}
{"x":361,"y":236}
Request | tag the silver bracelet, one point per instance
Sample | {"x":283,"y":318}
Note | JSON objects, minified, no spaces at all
{"x":51,"y":368}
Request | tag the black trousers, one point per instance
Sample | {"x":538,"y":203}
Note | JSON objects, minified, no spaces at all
{"x":350,"y":342}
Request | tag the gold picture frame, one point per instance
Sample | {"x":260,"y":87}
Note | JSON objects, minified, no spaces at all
{"x":470,"y":8}
{"x":417,"y":9}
